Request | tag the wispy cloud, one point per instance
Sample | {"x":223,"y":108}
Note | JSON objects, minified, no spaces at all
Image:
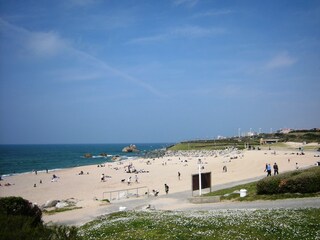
{"x":187,"y":3}
{"x":213,"y":13}
{"x":76,"y":75}
{"x":46,"y":43}
{"x":281,"y":60}
{"x":155,"y":38}
{"x":49,"y":44}
{"x":191,"y":31}
{"x":116,"y":72}
{"x":196,"y":31}
{"x":41,"y":44}
{"x":82,"y":3}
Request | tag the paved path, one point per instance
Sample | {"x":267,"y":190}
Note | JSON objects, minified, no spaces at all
{"x":179,"y":202}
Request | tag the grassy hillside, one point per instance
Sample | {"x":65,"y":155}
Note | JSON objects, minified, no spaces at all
{"x":306,"y":136}
{"x":214,"y":144}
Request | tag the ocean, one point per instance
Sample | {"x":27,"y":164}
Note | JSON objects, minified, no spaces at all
{"x":15,"y":159}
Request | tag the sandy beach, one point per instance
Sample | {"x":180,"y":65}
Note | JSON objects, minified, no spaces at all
{"x":87,"y":189}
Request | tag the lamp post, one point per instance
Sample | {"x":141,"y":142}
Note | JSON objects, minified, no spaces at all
{"x":199,"y":166}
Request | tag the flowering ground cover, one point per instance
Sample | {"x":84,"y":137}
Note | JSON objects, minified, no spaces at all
{"x":221,"y":224}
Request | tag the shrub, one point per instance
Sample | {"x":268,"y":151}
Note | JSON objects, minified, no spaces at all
{"x":21,"y":227}
{"x":268,"y":185}
{"x":17,"y":206}
{"x":20,"y":219}
{"x":307,"y":181}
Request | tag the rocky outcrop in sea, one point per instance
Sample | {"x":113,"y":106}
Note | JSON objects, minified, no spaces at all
{"x":131,"y":148}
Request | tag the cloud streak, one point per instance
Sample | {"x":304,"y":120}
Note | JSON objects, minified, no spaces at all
{"x":109,"y":69}
{"x":49,"y":44}
{"x":40,"y":44}
{"x":213,"y":13}
{"x":187,"y":3}
{"x":281,"y":60}
{"x":190,"y":31}
{"x":82,"y":3}
{"x":196,"y":32}
{"x":46,"y":43}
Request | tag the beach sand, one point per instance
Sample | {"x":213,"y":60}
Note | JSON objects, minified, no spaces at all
{"x":86,"y":189}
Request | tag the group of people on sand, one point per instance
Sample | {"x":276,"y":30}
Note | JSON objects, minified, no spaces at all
{"x":6,"y":184}
{"x":156,"y":192}
{"x":268,"y":169}
{"x":130,"y":179}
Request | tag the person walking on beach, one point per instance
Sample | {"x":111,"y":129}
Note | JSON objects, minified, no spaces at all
{"x":166,"y":188}
{"x":224,"y":169}
{"x":102,"y":177}
{"x":275,"y":169}
{"x":268,"y":169}
{"x":179,"y":175}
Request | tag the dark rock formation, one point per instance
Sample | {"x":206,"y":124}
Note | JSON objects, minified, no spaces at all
{"x":88,"y":155}
{"x":131,"y":148}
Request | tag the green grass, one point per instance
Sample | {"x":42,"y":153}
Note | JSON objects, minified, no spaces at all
{"x":252,"y":194}
{"x":220,"y":224}
{"x":307,"y":136}
{"x":201,"y":145}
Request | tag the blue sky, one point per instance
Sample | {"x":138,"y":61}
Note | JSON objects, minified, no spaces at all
{"x":109,"y":71}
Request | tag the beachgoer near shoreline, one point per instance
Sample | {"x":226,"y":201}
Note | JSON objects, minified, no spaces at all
{"x":54,"y":178}
{"x":179,"y":175}
{"x":129,"y":181}
{"x":102,"y":177}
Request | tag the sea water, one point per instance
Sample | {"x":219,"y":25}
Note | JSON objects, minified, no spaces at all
{"x":16,"y":159}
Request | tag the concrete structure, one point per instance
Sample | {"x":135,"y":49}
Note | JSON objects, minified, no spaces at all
{"x":268,"y":141}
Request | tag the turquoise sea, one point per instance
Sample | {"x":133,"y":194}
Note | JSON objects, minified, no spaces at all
{"x":16,"y":159}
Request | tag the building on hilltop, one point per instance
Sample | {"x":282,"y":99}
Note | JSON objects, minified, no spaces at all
{"x":268,"y":140}
{"x":285,"y":130}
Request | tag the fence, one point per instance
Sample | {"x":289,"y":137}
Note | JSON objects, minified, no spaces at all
{"x":126,"y":193}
